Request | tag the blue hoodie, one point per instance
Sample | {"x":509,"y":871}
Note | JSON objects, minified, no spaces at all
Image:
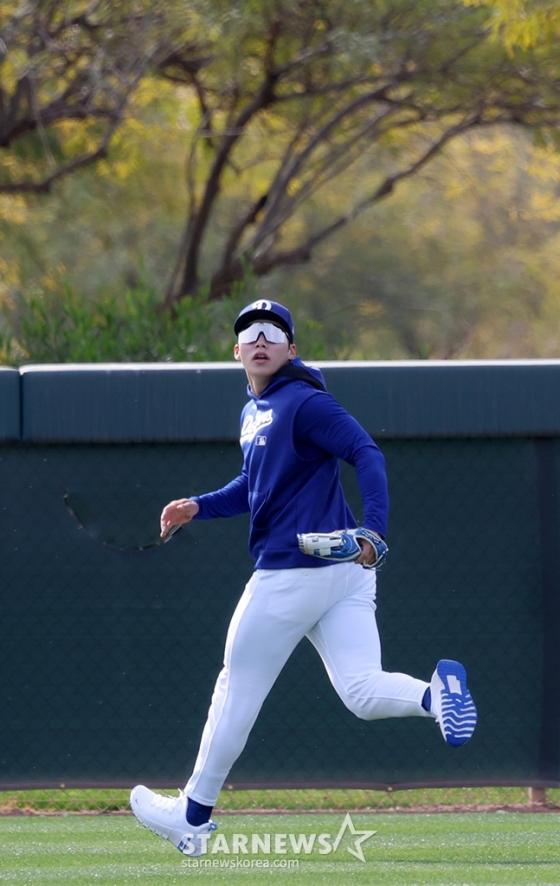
{"x":292,"y":436}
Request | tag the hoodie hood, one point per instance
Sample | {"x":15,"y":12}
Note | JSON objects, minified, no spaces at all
{"x":297,"y":369}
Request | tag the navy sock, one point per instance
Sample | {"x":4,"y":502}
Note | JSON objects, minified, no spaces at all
{"x":427,"y":700}
{"x":197,"y":814}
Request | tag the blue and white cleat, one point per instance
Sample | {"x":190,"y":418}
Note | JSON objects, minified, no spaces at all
{"x":452,"y":703}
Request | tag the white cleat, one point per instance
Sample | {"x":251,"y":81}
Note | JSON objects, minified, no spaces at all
{"x":452,"y":703}
{"x":167,"y":817}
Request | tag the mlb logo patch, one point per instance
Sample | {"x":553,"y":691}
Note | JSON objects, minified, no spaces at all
{"x":260,"y":441}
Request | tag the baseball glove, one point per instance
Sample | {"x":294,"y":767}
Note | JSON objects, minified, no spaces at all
{"x":343,"y":545}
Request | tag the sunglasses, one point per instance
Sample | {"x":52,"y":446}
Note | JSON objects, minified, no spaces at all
{"x":273,"y":334}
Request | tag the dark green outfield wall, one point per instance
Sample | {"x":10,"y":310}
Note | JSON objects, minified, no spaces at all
{"x":178,"y":402}
{"x":108,"y":654}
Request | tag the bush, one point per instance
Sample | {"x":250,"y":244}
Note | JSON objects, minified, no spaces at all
{"x":65,"y":327}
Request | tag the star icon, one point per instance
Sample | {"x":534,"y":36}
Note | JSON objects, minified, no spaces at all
{"x":348,"y":825}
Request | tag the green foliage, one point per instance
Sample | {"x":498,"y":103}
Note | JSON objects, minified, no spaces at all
{"x":67,"y":73}
{"x":522,"y":23}
{"x":197,"y":187}
{"x":462,"y":262}
{"x":64,"y":326}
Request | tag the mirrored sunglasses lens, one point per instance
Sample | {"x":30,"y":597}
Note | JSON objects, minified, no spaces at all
{"x":273,"y":334}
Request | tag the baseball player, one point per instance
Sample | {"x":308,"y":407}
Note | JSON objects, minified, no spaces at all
{"x":308,"y":579}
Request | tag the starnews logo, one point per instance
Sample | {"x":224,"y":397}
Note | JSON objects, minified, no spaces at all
{"x":243,"y":845}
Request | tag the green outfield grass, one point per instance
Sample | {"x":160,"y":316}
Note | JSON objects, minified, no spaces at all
{"x":486,"y":849}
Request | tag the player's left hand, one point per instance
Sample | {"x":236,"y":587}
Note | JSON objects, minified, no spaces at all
{"x":363,"y":546}
{"x":368,"y":555}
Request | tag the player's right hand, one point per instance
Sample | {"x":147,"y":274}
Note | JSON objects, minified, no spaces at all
{"x":176,"y":513}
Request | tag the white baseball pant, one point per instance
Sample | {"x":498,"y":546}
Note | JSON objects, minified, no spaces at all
{"x":334,"y":606}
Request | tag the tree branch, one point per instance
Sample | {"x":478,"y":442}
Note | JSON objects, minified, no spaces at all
{"x":263,"y":98}
{"x":335,"y":161}
{"x":267,"y":262}
{"x":289,"y":172}
{"x":44,"y":186}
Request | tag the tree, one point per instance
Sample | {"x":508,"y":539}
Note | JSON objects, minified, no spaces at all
{"x":318,"y":83}
{"x":280,"y":99}
{"x":462,"y":262}
{"x":67,"y":73}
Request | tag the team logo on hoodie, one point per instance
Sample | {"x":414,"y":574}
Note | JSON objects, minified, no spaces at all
{"x":254,"y":423}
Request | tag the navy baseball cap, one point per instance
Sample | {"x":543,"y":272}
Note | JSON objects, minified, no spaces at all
{"x":265,"y":310}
